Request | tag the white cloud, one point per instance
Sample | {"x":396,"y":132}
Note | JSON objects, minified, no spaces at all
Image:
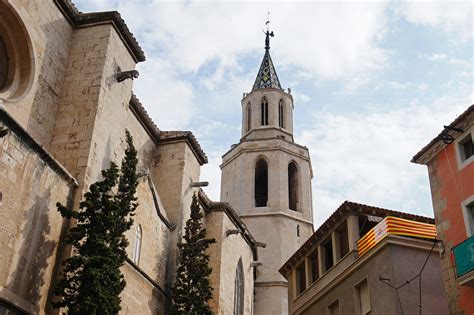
{"x":211,"y":172}
{"x":450,"y":60}
{"x":453,"y":17}
{"x":327,"y":40}
{"x":195,"y":46}
{"x":441,"y":56}
{"x":301,"y":98}
{"x":169,"y":100}
{"x":366,"y":157}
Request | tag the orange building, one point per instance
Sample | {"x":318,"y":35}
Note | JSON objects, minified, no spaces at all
{"x":450,"y":161}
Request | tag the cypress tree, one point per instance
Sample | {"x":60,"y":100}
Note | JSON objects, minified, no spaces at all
{"x":91,"y":281}
{"x":192,"y":290}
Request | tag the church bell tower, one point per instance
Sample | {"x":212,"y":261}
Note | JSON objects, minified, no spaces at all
{"x":266,"y":178}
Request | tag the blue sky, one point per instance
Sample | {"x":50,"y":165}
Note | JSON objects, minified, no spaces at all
{"x":373,"y":82}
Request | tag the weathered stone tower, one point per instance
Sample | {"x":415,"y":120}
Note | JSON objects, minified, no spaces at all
{"x":266,"y":177}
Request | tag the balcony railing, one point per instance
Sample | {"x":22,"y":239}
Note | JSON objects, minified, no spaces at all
{"x":463,"y":255}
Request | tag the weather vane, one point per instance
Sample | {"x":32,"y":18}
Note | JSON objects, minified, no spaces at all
{"x":268,"y":33}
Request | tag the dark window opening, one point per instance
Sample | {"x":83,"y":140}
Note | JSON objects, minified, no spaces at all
{"x":466,"y":148}
{"x":365,"y":225}
{"x":249,"y":117}
{"x":261,"y":183}
{"x":301,"y":278}
{"x":264,"y":112}
{"x":343,"y":239}
{"x":329,"y":261}
{"x":9,"y":309}
{"x":314,"y":266}
{"x":298,"y":230}
{"x":3,"y":64}
{"x":470,"y":216}
{"x":293,"y":186}
{"x":333,"y":309}
{"x":280,"y":116}
{"x":239,"y":289}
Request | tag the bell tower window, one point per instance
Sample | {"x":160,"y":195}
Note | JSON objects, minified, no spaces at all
{"x":264,"y":112}
{"x":293,"y":186}
{"x":280,"y":114}
{"x":3,"y":63}
{"x":249,"y":117}
{"x":261,"y":183}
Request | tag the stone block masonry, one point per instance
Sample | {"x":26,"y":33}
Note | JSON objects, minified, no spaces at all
{"x":31,"y":182}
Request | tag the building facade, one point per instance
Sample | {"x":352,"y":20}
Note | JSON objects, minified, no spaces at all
{"x":450,"y":161}
{"x":266,"y":177}
{"x":65,"y":102}
{"x":356,"y":259}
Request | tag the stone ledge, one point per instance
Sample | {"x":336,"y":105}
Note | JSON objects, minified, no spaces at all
{"x":21,"y":133}
{"x":260,"y":284}
{"x":80,"y":20}
{"x":16,"y":302}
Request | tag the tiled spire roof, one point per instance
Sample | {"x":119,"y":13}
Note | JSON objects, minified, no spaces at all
{"x":267,"y":76}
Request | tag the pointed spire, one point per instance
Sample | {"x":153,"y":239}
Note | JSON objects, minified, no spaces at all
{"x":267,"y":76}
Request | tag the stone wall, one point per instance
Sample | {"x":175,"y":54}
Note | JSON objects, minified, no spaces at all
{"x":140,"y":296}
{"x":225,"y":255}
{"x":174,"y":169}
{"x":31,"y":183}
{"x":273,"y":97}
{"x":238,"y":176}
{"x":87,"y":130}
{"x":78,"y":111}
{"x":49,"y":35}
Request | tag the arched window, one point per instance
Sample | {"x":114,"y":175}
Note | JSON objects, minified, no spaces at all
{"x":138,"y":245}
{"x":16,"y":53}
{"x":280,"y":114}
{"x":239,"y":289}
{"x":3,"y":64}
{"x":261,"y":183}
{"x":264,"y":112}
{"x":249,"y":117}
{"x":293,"y":186}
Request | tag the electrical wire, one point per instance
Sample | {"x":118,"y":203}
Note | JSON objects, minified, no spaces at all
{"x":396,"y":288}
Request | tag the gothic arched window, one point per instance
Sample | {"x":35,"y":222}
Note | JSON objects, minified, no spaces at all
{"x":280,"y":114}
{"x":239,"y":289}
{"x":249,"y":117}
{"x":264,"y":112}
{"x":138,"y":245}
{"x":3,"y":63}
{"x":261,"y":183}
{"x":16,"y":53}
{"x":293,"y":186}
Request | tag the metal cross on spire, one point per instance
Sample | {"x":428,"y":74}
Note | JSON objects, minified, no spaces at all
{"x":268,"y":33}
{"x":267,"y":76}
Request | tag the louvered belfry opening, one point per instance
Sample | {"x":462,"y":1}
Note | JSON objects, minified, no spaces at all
{"x":264,"y":112}
{"x":261,"y":183}
{"x":293,"y":186}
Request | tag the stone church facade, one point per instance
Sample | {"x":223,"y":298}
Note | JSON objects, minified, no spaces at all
{"x":66,"y":100}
